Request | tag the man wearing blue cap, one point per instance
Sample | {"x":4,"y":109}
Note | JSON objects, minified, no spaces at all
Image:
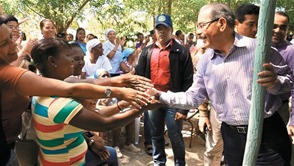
{"x":169,"y":66}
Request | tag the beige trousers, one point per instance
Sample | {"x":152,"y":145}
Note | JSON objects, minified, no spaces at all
{"x":214,"y":142}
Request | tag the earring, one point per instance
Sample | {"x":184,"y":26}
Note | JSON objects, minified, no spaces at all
{"x":55,"y":66}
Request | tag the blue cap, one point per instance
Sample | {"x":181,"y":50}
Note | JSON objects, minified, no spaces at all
{"x":100,"y":73}
{"x":127,"y":52}
{"x":164,"y":19}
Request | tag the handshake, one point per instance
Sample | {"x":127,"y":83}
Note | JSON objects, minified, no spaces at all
{"x":154,"y":93}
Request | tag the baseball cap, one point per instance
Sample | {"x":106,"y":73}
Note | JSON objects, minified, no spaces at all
{"x":163,"y":19}
{"x":127,"y":52}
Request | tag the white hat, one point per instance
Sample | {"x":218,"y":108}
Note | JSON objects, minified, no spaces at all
{"x":92,"y":43}
{"x":109,"y":30}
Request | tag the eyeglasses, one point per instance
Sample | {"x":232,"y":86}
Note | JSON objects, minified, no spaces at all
{"x":205,"y":25}
{"x":13,"y":27}
{"x":281,"y":27}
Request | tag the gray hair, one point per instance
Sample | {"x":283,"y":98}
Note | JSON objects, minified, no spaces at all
{"x":219,"y":10}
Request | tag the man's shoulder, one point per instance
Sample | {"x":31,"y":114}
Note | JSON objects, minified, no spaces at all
{"x":290,"y":47}
{"x":178,"y":47}
{"x":285,"y":48}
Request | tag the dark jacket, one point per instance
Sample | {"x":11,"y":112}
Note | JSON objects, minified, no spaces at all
{"x":181,"y":68}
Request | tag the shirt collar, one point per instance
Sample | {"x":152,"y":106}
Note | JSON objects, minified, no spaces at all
{"x":169,"y":44}
{"x":238,"y":43}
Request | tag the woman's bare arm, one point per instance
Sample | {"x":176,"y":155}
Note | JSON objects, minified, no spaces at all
{"x":125,"y":80}
{"x":30,"y":84}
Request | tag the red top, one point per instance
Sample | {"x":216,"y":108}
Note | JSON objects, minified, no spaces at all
{"x":160,"y":67}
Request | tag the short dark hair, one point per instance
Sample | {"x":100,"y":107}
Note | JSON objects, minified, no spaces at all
{"x":45,"y":48}
{"x":69,"y":34}
{"x":281,"y":13}
{"x":42,"y":23}
{"x":7,"y":17}
{"x":246,"y":9}
{"x":74,"y":44}
{"x":90,"y":34}
{"x":178,"y":32}
{"x":1,"y":21}
{"x":139,"y":33}
{"x":152,"y":32}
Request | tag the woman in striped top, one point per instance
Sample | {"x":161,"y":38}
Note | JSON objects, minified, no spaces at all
{"x":59,"y":122}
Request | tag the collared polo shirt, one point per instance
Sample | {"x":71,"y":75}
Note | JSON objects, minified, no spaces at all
{"x":160,"y":67}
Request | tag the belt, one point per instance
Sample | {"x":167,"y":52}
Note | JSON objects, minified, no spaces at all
{"x":240,"y":128}
{"x":11,"y":145}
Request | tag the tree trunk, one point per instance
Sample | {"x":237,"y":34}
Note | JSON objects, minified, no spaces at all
{"x":169,"y":6}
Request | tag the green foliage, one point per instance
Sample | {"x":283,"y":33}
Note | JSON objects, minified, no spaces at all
{"x":62,"y":12}
{"x":11,"y":7}
{"x":126,"y":16}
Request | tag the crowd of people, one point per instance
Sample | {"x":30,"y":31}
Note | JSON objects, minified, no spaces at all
{"x":73,"y":89}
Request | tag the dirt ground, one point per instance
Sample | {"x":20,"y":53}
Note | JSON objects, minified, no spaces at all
{"x":194,"y":155}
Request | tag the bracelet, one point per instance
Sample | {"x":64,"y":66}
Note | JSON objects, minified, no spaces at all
{"x":90,"y":143}
{"x":118,"y":106}
{"x":113,"y":50}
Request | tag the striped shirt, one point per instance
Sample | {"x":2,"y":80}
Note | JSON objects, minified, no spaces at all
{"x":60,"y":143}
{"x":227,"y":82}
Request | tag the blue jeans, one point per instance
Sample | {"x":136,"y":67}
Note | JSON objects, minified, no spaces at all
{"x":157,"y":120}
{"x":147,"y":132}
{"x":93,"y":160}
{"x":12,"y":160}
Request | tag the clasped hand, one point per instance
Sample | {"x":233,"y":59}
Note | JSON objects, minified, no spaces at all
{"x":267,"y":77}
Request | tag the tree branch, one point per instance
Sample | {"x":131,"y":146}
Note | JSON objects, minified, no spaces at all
{"x":75,"y":14}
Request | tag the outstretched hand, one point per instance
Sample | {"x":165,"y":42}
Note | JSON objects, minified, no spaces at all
{"x":136,"y":98}
{"x":268,"y":77}
{"x":134,"y":81}
{"x":155,"y":103}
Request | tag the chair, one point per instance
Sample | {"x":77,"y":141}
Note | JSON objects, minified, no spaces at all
{"x":193,"y":130}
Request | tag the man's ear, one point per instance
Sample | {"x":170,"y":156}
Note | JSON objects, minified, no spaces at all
{"x":236,"y":25}
{"x":222,"y":23}
{"x":237,"y":22}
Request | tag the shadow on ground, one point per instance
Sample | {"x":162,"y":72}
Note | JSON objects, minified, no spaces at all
{"x":194,"y":155}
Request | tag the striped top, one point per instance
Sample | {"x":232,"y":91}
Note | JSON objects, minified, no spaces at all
{"x":227,"y":82}
{"x":60,"y":143}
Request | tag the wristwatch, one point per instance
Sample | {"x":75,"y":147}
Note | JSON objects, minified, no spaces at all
{"x":107,"y":91}
{"x":91,"y":142}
